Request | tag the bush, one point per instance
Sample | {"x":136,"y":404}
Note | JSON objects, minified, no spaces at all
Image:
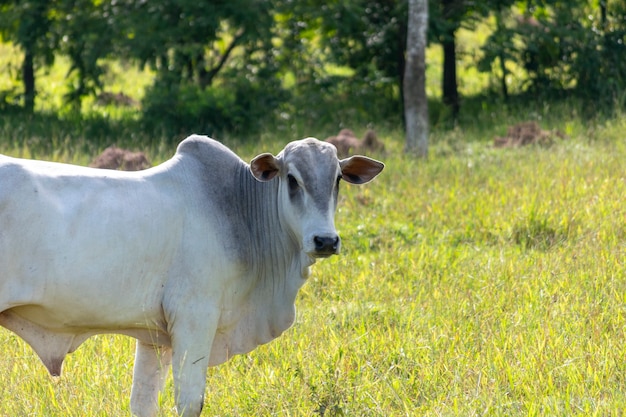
{"x":237,"y":106}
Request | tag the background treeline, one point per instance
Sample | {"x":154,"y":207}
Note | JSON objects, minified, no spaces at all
{"x":237,"y":65}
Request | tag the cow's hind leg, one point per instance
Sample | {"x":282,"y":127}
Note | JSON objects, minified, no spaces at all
{"x":151,"y":366}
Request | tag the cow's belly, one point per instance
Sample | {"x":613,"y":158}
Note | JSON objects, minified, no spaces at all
{"x":52,"y":340}
{"x":148,"y":330}
{"x":77,"y":319}
{"x":108,"y":293}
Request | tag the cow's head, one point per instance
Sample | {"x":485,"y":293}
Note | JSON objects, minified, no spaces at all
{"x":309,"y":173}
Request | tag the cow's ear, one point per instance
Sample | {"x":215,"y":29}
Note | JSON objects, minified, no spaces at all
{"x":264,"y":167}
{"x":360,"y":169}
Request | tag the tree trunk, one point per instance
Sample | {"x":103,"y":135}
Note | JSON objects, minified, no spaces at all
{"x":401,"y":62}
{"x":505,"y":90}
{"x":450,"y":88}
{"x":415,"y":101}
{"x":452,"y":12}
{"x":603,"y":19}
{"x":28,"y":75}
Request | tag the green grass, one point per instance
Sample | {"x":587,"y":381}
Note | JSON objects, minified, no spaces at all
{"x":479,"y":282}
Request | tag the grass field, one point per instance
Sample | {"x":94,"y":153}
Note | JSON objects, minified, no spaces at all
{"x":479,"y":282}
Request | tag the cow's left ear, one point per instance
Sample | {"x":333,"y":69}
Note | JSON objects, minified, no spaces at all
{"x":360,"y":169}
{"x":264,"y":167}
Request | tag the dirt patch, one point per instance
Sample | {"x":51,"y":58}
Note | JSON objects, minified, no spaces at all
{"x":123,"y":159}
{"x":116,"y":99}
{"x":527,"y":133}
{"x":348,"y":144}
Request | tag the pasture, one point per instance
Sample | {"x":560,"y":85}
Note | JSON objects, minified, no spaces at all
{"x":481,"y":282}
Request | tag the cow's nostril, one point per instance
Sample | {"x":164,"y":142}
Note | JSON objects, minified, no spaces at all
{"x":326,"y":244}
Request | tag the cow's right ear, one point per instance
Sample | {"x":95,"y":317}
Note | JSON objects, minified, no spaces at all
{"x":360,"y":169}
{"x":264,"y":167}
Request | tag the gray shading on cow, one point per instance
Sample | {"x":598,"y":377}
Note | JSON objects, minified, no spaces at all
{"x":199,"y":258}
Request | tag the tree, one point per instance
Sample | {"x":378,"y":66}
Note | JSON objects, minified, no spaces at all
{"x":42,"y":29}
{"x":452,"y":12}
{"x":87,"y":34}
{"x":27,"y":23}
{"x":446,"y":18}
{"x":213,"y":60}
{"x":415,"y":101}
{"x":188,"y":40}
{"x":364,"y":39}
{"x":565,"y":47}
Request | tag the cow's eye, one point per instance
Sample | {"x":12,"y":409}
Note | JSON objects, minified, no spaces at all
{"x":293,"y":183}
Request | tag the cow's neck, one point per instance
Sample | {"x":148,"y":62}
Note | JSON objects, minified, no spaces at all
{"x":278,"y":268}
{"x":278,"y":256}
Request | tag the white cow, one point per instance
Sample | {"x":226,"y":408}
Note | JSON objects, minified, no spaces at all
{"x":199,"y":258}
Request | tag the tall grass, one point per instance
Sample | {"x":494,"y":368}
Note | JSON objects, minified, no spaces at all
{"x":479,"y":282}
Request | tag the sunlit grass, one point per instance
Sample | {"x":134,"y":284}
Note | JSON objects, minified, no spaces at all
{"x":479,"y":282}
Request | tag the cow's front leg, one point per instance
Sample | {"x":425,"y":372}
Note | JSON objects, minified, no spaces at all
{"x":192,"y":337}
{"x":151,"y":366}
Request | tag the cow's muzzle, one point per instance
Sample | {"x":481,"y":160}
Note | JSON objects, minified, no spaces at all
{"x":326,"y":246}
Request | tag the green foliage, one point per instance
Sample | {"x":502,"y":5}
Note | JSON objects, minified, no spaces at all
{"x":366,"y":37}
{"x":175,"y":35}
{"x":239,"y":107}
{"x":324,"y":63}
{"x":565,"y":46}
{"x":211,"y":60}
{"x":87,"y":36}
{"x":598,"y":65}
